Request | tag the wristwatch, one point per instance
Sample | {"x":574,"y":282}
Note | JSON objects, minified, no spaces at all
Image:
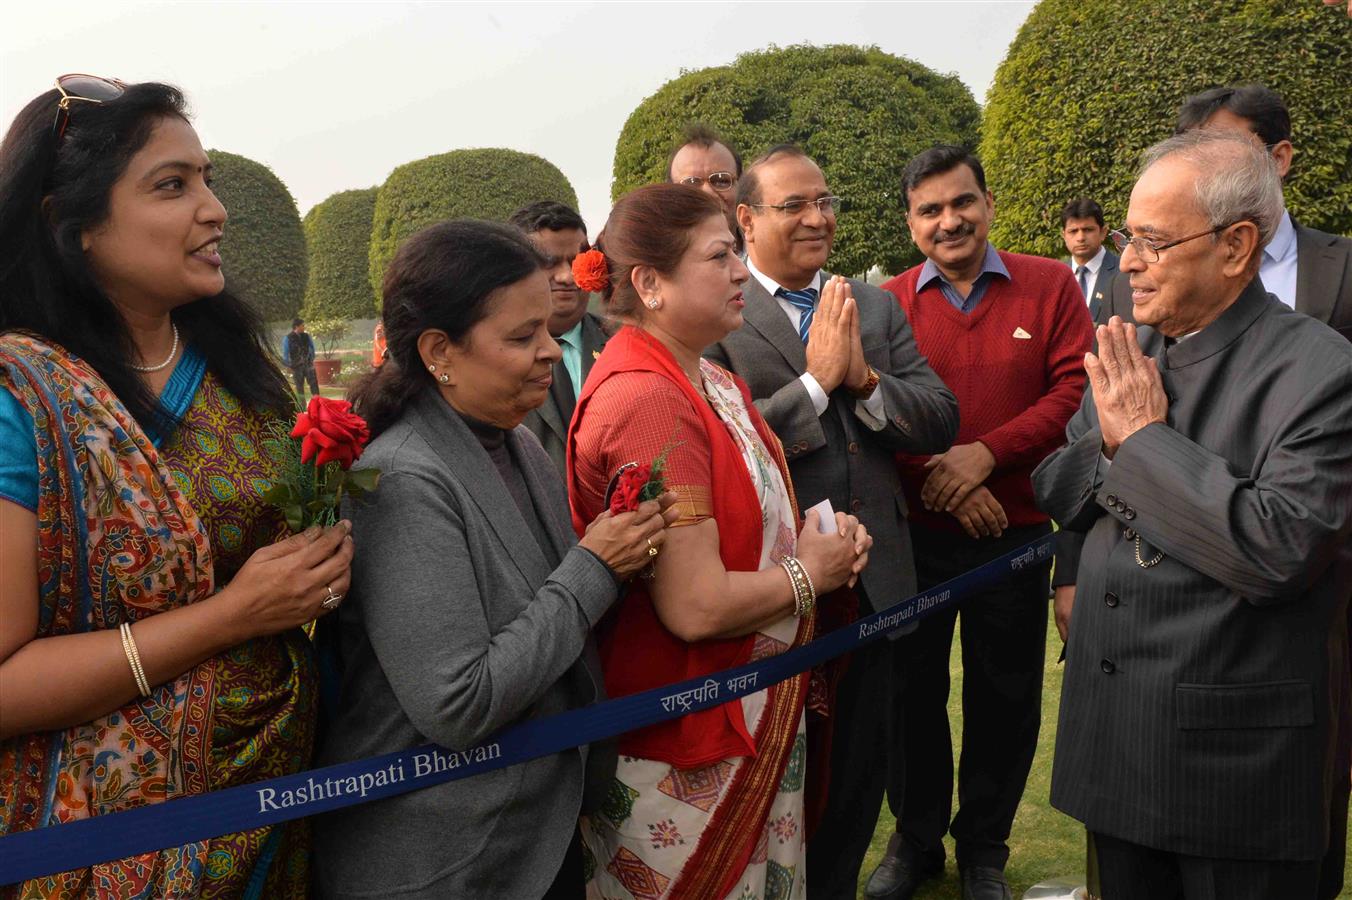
{"x":865,"y":390}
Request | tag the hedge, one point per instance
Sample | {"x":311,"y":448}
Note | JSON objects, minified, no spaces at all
{"x":264,"y":245}
{"x":480,"y":184}
{"x":859,"y":112}
{"x":338,"y":234}
{"x":1088,"y":84}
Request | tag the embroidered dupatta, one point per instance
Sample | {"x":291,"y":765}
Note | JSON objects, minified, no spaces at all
{"x":120,"y":538}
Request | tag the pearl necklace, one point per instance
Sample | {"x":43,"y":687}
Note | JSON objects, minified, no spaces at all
{"x":173,"y":351}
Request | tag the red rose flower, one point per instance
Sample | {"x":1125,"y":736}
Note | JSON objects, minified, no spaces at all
{"x":330,"y":432}
{"x":628,"y":488}
{"x":591,"y":271}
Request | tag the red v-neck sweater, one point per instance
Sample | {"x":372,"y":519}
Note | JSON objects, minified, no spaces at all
{"x":1015,"y":394}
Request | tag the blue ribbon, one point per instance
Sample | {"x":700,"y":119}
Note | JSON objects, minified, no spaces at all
{"x":86,"y":842}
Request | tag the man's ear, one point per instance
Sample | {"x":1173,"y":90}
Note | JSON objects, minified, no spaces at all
{"x":1282,"y":154}
{"x":1240,"y":241}
{"x":745,"y":217}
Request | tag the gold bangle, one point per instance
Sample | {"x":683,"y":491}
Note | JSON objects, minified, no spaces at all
{"x":804,"y":593}
{"x":134,"y":659}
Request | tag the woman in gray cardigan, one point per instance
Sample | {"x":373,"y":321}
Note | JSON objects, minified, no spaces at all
{"x":471,"y":602}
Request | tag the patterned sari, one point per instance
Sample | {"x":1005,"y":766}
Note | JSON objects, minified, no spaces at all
{"x":125,"y":531}
{"x":710,"y":806}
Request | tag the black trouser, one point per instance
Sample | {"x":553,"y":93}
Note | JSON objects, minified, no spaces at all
{"x":1129,"y":871}
{"x":301,"y":374}
{"x":858,"y":774}
{"x":1004,"y":640}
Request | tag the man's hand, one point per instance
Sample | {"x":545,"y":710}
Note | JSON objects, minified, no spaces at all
{"x":1127,"y":388}
{"x":981,"y":515}
{"x":856,"y":376}
{"x":1062,"y":603}
{"x":834,"y":323}
{"x":955,"y":474}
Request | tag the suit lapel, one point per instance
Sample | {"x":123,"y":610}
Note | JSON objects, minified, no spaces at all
{"x":551,"y":504}
{"x":764,"y":314}
{"x":469,"y":463}
{"x":593,"y":342}
{"x":1319,"y":266}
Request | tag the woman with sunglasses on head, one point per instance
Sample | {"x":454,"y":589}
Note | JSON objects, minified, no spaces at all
{"x":472,"y":600}
{"x":150,"y":609}
{"x":709,"y":804}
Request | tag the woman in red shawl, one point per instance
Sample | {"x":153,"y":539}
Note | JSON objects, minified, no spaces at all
{"x":709,"y":805}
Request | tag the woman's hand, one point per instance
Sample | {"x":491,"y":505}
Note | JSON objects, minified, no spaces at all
{"x":625,"y":542}
{"x":285,"y":584}
{"x":837,"y":557}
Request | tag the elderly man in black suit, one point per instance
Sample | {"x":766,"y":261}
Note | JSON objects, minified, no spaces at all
{"x":1211,"y":466}
{"x":561,"y":235}
{"x":833,"y":367}
{"x":1308,"y":270}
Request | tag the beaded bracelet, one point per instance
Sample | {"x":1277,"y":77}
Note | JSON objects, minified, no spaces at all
{"x":804,"y":594}
{"x":134,"y":659}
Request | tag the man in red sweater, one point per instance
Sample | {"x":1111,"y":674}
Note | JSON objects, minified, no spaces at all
{"x":1007,"y":333}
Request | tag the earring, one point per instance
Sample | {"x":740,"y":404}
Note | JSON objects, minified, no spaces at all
{"x":431,"y":368}
{"x":654,"y":302}
{"x":444,"y":378}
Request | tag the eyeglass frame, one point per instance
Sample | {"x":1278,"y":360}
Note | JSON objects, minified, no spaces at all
{"x":62,"y":120}
{"x":697,"y":181}
{"x":1122,"y":239}
{"x":832,"y":202}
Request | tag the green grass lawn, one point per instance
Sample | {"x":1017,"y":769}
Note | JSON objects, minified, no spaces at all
{"x":1044,"y":844}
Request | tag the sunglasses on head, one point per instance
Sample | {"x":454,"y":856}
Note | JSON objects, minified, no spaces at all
{"x":719,"y":181}
{"x":86,"y":89}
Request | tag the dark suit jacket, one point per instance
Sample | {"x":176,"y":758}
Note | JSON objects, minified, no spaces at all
{"x":1102,"y":285}
{"x":549,"y":423}
{"x":1323,"y":292}
{"x":459,"y":623}
{"x":837,"y":456}
{"x":1201,"y":694}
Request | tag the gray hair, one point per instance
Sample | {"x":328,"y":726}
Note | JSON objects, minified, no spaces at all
{"x":1236,"y":178}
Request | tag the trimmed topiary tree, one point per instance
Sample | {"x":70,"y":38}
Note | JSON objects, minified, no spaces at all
{"x":859,"y":112}
{"x":479,"y":184}
{"x":338,"y":233}
{"x":1088,"y":84}
{"x":264,"y":247}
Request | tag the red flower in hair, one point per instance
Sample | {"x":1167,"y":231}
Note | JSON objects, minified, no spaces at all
{"x":591,"y":271}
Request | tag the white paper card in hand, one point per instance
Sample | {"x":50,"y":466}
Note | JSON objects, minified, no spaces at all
{"x":827,"y":524}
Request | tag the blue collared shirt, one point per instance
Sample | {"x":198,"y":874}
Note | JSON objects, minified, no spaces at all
{"x":1278,"y":270}
{"x":991,"y":266}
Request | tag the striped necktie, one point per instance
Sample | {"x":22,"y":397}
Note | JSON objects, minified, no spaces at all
{"x":805,"y":301}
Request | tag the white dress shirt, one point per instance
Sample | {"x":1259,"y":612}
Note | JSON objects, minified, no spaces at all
{"x":869,"y":411}
{"x":1094,"y":266}
{"x":1278,"y":270}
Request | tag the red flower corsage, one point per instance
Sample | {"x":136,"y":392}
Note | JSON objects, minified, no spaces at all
{"x":591,"y":271}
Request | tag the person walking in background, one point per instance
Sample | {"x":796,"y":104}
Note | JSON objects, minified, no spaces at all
{"x":298,"y":355}
{"x":1007,"y":333}
{"x":833,"y":367}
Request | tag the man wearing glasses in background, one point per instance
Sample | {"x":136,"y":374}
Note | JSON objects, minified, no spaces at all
{"x":706,"y":161}
{"x":833,"y":367}
{"x":1008,"y":333}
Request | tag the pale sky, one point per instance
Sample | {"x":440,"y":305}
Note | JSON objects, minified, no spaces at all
{"x":333,"y":96}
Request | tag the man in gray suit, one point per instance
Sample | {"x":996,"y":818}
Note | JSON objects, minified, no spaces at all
{"x":833,"y":367}
{"x":1211,"y":466}
{"x":1306,"y":269}
{"x":561,"y":235}
{"x":1083,"y":229}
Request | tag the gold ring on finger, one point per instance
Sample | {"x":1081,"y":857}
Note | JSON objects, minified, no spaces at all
{"x":652,"y":549}
{"x":331,"y":599}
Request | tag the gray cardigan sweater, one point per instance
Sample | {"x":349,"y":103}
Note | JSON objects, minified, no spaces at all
{"x":456,"y":626}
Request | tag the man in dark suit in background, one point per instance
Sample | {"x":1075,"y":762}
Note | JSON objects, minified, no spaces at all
{"x":1306,"y":269}
{"x":1211,"y":467}
{"x":561,"y":235}
{"x":833,"y":367}
{"x":1084,"y":230}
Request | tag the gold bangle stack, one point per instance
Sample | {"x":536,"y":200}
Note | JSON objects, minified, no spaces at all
{"x":804,"y":594}
{"x":134,"y":659}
